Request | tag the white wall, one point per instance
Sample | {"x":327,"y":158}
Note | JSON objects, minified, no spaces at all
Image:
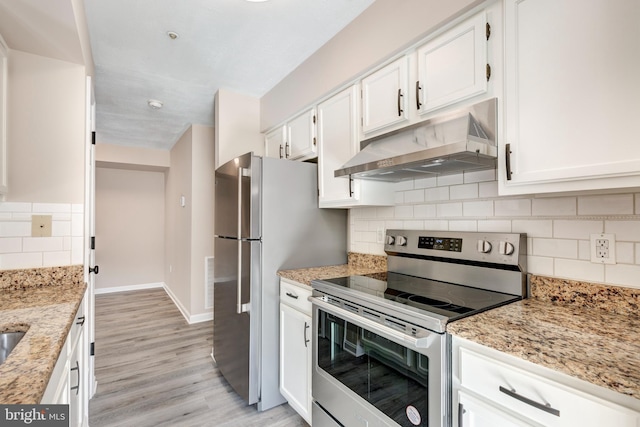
{"x":129,"y":228}
{"x":558,"y":228}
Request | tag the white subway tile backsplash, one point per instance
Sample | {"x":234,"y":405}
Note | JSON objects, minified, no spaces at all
{"x":393,"y":224}
{"x":440,"y":225}
{"x":578,"y":270}
{"x":5,"y":216}
{"x":77,"y":224}
{"x":464,"y":191}
{"x":576,"y":229}
{"x":539,"y":265}
{"x":21,"y":216}
{"x":414,"y":196}
{"x":554,"y":206}
{"x":463,"y":225}
{"x":628,"y":231}
{"x":10,"y":244}
{"x":424,"y":211}
{"x":615,"y":204}
{"x":480,"y":176}
{"x":436,"y":194}
{"x":403,"y":185}
{"x":637,"y":203}
{"x":42,"y":244}
{"x":623,"y":274}
{"x":494,"y":226}
{"x":398,"y":197}
{"x":488,"y":189}
{"x":625,"y":253}
{"x":555,"y":248}
{"x":77,"y":208}
{"x":425,"y":183}
{"x":482,"y":208}
{"x":584,"y":250}
{"x":533,"y":227}
{"x":20,"y":260}
{"x":448,"y":210}
{"x":15,"y":229}
{"x":374,"y":225}
{"x":52,"y":259}
{"x":446,"y":180}
{"x":43,"y":208}
{"x":385,"y":212}
{"x":15,"y":207}
{"x":361,"y":225}
{"x":413,"y":225}
{"x":638,"y":253}
{"x":77,"y":250}
{"x":512,"y":207}
{"x":403,"y":212}
{"x":61,"y":228}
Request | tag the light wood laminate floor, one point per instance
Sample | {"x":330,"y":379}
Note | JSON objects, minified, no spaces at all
{"x":153,"y":369}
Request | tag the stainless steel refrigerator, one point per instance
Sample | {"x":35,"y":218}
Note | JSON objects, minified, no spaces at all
{"x":266,"y":219}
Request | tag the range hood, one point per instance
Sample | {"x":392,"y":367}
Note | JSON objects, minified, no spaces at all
{"x":462,"y":140}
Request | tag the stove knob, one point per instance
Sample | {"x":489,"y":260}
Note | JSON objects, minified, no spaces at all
{"x":506,"y":248}
{"x":401,"y":241}
{"x":390,"y":240}
{"x":484,"y":246}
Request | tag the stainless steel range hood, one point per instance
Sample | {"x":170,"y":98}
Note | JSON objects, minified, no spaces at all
{"x":458,"y":141}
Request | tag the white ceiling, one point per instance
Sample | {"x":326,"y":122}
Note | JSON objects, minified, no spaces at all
{"x":234,"y":44}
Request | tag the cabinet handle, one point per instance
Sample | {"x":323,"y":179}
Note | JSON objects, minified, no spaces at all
{"x":418,"y":103}
{"x":350,"y":186}
{"x":77,"y":368}
{"x":461,"y":412}
{"x":94,"y":270}
{"x":80,"y":321}
{"x":287,"y":150}
{"x":280,"y":150}
{"x":400,"y":110}
{"x":541,"y":406}
{"x":306,"y":326}
{"x":314,"y":141}
{"x":289,"y":294}
{"x":507,"y":159}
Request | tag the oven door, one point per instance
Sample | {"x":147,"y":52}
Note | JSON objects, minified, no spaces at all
{"x":369,"y":374}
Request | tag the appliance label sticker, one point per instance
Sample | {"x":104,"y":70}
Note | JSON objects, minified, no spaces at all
{"x":413,"y":415}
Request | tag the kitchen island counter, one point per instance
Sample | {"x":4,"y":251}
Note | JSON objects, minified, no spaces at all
{"x":43,"y":303}
{"x":590,"y":332}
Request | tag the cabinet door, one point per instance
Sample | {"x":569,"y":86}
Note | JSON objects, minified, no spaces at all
{"x":77,"y":393}
{"x":274,"y":143}
{"x":301,"y":136}
{"x":453,"y":66}
{"x":4,"y":52}
{"x":385,"y":97}
{"x":571,"y":96}
{"x":295,"y":359}
{"x":476,"y":413}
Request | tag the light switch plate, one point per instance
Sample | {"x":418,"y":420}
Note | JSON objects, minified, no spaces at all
{"x":40,"y":225}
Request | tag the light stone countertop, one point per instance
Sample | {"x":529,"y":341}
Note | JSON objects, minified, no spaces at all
{"x":590,"y":332}
{"x":43,"y":302}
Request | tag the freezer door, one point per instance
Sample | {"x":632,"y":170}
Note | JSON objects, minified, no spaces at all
{"x":237,"y":198}
{"x":236,"y":340}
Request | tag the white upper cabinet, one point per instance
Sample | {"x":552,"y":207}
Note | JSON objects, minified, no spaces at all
{"x":385,"y":97}
{"x":275,"y":143}
{"x":301,"y":136}
{"x":453,"y":66}
{"x":338,"y":131}
{"x":572,"y":96}
{"x":4,"y":53}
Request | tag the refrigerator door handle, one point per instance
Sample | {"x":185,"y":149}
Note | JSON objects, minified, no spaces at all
{"x":240,"y":308}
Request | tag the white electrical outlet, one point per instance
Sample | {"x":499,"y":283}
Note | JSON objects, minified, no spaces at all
{"x":603,"y":248}
{"x":380,"y":235}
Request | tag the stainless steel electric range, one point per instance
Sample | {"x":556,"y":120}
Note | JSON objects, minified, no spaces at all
{"x":381,"y":353}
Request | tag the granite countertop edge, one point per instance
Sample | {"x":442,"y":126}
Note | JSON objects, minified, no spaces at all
{"x":43,"y":303}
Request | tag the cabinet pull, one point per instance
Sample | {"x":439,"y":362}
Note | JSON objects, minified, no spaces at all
{"x":418,"y":103}
{"x":289,"y":294}
{"x":306,"y":326}
{"x":94,"y":270}
{"x":77,"y":368}
{"x":80,"y":321}
{"x":541,"y":406}
{"x":314,"y":141}
{"x":280,"y":150}
{"x":400,"y":110}
{"x":287,"y":150}
{"x":461,"y":412}
{"x":350,"y":186}
{"x":507,"y":159}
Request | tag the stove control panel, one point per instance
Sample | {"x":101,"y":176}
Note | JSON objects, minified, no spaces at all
{"x":440,"y":243}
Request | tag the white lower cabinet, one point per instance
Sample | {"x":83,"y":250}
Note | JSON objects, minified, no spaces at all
{"x":295,"y":347}
{"x":65,"y":386}
{"x":491,"y":388}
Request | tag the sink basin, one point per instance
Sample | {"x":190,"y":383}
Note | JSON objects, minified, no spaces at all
{"x":9,"y":341}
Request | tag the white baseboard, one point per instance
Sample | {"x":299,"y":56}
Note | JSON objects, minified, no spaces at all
{"x":191,"y":319}
{"x":99,"y":291}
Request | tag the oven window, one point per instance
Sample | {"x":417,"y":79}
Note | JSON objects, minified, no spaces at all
{"x":389,"y":376}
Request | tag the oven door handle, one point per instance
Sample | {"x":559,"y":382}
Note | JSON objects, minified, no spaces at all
{"x":363,"y":322}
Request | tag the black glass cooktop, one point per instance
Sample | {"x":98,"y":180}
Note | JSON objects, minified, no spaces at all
{"x":447,"y":299}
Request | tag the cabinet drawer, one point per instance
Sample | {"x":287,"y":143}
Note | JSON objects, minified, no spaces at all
{"x":537,"y":398}
{"x":295,"y":296}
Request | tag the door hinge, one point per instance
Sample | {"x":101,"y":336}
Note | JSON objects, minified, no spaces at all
{"x":93,"y":242}
{"x":488,"y":30}
{"x":92,"y":350}
{"x":314,"y":119}
{"x":93,"y":138}
{"x":488,"y":72}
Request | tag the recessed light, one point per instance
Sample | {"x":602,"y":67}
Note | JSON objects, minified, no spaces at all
{"x":155,"y":104}
{"x":173,"y":35}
